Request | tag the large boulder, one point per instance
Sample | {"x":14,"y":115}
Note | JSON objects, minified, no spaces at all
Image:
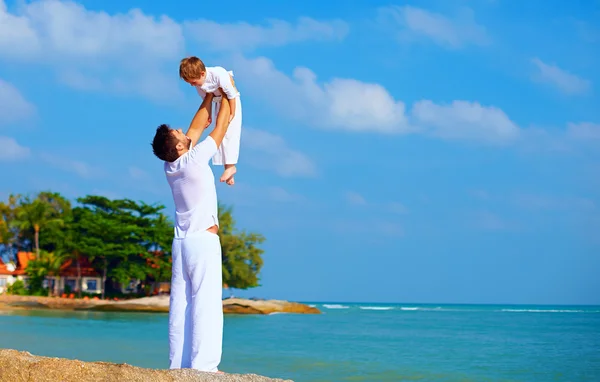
{"x":244,"y":306}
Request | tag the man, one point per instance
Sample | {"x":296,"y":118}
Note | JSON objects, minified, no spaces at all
{"x":196,"y":310}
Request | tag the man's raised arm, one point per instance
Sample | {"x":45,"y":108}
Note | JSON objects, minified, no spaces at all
{"x":200,"y":120}
{"x":222,"y":123}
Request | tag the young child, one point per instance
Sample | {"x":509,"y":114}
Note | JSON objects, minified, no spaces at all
{"x":220,"y":82}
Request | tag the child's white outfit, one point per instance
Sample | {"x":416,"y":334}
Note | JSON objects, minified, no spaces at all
{"x":218,"y":77}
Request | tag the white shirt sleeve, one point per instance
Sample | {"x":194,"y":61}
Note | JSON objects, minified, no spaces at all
{"x":224,"y":82}
{"x":204,"y":150}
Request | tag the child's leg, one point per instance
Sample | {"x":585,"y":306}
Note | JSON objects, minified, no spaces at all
{"x":229,"y":150}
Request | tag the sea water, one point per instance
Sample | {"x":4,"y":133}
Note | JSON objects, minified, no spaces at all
{"x":348,"y":342}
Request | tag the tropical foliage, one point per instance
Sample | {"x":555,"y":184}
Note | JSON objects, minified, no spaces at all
{"x":122,"y":239}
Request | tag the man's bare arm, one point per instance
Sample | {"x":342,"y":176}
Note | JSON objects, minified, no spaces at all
{"x":222,"y":123}
{"x":201,"y":119}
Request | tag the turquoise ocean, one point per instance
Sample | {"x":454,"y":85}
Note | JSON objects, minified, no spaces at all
{"x":348,"y":342}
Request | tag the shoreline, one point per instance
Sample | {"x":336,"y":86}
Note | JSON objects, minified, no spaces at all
{"x":153,"y":304}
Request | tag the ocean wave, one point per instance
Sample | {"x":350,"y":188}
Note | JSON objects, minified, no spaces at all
{"x":409,"y":308}
{"x":543,"y":311}
{"x":376,"y":307}
{"x":335,"y":306}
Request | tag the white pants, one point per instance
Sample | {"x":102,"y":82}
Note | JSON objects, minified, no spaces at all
{"x":196,"y":308}
{"x":229,"y":151}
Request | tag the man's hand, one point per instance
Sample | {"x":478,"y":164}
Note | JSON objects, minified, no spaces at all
{"x":208,"y":122}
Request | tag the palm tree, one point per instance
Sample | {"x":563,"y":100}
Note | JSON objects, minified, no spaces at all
{"x":41,"y":212}
{"x":8,"y":214}
{"x":47,"y":264}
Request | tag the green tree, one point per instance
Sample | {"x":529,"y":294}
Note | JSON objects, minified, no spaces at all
{"x":119,"y":236}
{"x":158,"y":244}
{"x":45,"y":211}
{"x":242,"y":258}
{"x":44,"y":266}
{"x":17,"y":288}
{"x":68,"y":244}
{"x":9,"y":231}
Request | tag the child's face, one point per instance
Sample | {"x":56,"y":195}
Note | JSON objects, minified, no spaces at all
{"x":198,"y":81}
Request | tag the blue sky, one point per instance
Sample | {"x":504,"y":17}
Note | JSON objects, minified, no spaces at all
{"x":432,"y":151}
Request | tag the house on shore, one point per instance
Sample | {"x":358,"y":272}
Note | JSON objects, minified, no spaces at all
{"x":91,"y":281}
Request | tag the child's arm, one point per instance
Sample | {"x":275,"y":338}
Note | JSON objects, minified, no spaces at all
{"x":227,"y":86}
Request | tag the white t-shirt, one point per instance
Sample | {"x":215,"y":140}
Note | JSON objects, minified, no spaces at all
{"x":217,"y":77}
{"x":193,"y":186}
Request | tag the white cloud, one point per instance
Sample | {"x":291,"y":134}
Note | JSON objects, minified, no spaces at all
{"x":354,"y":198}
{"x":13,"y":106}
{"x":352,"y":105}
{"x":91,"y":50}
{"x":577,"y":138}
{"x":563,"y":80}
{"x":132,"y":53}
{"x":11,"y":150}
{"x":583,"y":131}
{"x":242,"y":36}
{"x":68,"y":31}
{"x":415,"y":23}
{"x":465,"y":121}
{"x":17,"y":37}
{"x":80,"y":168}
{"x":270,"y":151}
{"x":340,"y":104}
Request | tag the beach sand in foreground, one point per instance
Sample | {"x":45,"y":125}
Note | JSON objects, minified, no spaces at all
{"x":18,"y":366}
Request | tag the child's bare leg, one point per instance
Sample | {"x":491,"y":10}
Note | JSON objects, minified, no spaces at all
{"x":228,"y":174}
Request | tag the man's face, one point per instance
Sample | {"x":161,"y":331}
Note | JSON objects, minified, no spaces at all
{"x":198,"y":81}
{"x":182,"y":139}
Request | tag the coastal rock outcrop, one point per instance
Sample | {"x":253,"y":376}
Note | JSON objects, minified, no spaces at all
{"x":18,"y":366}
{"x":153,"y":304}
{"x":244,"y":306}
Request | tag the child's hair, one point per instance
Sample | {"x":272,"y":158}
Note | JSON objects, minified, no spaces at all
{"x":191,"y":68}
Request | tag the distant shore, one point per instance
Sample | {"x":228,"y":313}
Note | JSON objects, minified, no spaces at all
{"x":154,"y":304}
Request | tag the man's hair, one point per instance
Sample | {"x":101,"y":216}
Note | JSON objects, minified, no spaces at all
{"x":191,"y":68}
{"x":164,"y":144}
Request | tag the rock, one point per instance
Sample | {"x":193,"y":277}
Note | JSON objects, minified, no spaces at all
{"x":153,"y":304}
{"x":244,"y":306}
{"x":17,"y":366}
